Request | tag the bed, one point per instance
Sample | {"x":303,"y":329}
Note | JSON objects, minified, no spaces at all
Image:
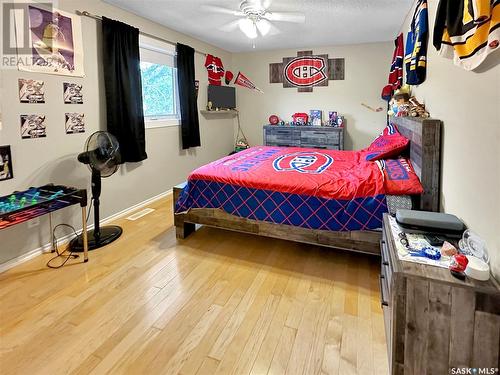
{"x":356,"y":229}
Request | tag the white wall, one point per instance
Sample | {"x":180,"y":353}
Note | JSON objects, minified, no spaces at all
{"x":53,"y":159}
{"x":366,"y":71}
{"x":468,"y":103}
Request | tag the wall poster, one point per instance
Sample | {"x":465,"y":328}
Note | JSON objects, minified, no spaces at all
{"x":72,"y":93}
{"x":33,"y":126}
{"x":6,"y":171}
{"x":75,"y":123}
{"x":31,"y":91}
{"x":53,"y":41}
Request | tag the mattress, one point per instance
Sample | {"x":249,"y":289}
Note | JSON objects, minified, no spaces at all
{"x":309,"y":188}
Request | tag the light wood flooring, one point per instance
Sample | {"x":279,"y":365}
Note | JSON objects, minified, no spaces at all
{"x":216,"y":303}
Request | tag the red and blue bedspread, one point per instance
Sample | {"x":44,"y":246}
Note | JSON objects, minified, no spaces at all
{"x":309,"y":188}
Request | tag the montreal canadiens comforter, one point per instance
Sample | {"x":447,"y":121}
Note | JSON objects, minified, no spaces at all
{"x":309,"y":188}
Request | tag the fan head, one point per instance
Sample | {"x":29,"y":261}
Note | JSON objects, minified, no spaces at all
{"x":101,"y":153}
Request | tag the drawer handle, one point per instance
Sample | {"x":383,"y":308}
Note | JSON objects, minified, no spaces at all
{"x":383,"y":302}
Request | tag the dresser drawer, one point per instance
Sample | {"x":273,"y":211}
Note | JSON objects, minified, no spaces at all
{"x":320,"y":137}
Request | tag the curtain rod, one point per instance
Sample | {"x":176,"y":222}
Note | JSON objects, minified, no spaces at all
{"x":96,"y":17}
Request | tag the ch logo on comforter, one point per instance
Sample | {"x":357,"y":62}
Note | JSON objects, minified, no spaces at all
{"x":303,"y":162}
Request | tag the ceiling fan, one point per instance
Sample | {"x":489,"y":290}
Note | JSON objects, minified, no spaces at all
{"x":255,"y":18}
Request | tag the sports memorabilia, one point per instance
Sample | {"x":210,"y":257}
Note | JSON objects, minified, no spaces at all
{"x":306,"y":71}
{"x":242,"y":80}
{"x":215,"y":70}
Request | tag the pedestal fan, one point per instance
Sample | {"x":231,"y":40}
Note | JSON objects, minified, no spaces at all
{"x":102,"y":156}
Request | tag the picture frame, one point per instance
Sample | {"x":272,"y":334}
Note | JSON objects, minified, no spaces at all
{"x":6,"y":169}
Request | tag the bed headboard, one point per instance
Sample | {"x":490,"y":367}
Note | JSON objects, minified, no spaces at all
{"x":425,"y":156}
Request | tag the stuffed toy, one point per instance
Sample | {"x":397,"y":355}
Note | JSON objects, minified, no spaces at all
{"x":417,"y":109}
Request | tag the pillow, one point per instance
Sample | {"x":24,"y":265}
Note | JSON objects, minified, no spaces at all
{"x":388,"y":144}
{"x":400,"y":177}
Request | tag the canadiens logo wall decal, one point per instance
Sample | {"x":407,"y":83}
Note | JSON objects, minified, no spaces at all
{"x":306,"y":70}
{"x":303,"y":162}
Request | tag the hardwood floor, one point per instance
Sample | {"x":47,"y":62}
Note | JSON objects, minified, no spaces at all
{"x":216,"y":303}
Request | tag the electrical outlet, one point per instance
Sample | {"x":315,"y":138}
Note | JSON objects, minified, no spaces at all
{"x":33,"y":222}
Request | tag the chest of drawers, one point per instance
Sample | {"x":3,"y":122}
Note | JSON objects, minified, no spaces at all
{"x":304,"y":136}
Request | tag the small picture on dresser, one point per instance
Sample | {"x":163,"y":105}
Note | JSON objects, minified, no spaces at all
{"x":72,"y":93}
{"x":31,"y":91}
{"x":316,"y":117}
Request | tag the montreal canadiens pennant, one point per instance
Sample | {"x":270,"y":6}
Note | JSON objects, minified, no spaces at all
{"x":242,"y":80}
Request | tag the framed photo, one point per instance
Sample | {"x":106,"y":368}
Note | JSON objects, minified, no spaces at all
{"x":31,"y":91}
{"x":33,"y":126}
{"x":6,"y":171}
{"x":72,"y":93}
{"x":75,"y":123}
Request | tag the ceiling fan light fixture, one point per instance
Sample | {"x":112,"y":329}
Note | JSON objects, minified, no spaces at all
{"x":264,"y":27}
{"x":247,"y":26}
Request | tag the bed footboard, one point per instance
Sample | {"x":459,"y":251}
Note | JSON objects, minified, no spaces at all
{"x":359,"y":241}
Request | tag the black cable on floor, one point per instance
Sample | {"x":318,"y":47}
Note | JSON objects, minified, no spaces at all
{"x":71,"y":255}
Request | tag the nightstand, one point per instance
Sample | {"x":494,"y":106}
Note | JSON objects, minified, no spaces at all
{"x":433,"y":321}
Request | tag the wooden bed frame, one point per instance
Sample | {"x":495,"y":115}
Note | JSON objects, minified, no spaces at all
{"x":425,"y":154}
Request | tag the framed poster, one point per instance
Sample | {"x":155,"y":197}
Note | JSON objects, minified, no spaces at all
{"x":33,"y":126}
{"x":31,"y":91}
{"x":6,"y":171}
{"x":72,"y":93}
{"x":75,"y":123}
{"x":54,"y":41}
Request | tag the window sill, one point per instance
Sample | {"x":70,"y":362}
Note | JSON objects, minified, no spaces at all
{"x":151,"y":124}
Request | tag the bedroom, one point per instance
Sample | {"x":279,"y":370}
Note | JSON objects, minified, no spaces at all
{"x":226,"y":301}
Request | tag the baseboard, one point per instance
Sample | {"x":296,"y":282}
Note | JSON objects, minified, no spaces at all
{"x":47,"y":247}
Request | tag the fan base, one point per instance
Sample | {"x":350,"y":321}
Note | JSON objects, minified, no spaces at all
{"x":109,"y":233}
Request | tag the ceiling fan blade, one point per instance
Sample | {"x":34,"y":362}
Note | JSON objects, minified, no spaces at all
{"x":285,"y":17}
{"x":231,"y":26}
{"x":267,"y":28}
{"x":222,"y":10}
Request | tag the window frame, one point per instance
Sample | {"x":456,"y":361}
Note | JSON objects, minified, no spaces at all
{"x":150,"y":45}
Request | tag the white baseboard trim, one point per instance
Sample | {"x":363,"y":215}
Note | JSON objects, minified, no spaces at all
{"x":47,"y":247}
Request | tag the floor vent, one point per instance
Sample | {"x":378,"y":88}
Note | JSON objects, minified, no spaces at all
{"x":140,"y":214}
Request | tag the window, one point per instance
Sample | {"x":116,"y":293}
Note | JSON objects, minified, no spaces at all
{"x":159,"y":83}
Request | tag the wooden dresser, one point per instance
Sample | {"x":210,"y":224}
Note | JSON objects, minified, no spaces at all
{"x":324,"y":137}
{"x":435,"y":322}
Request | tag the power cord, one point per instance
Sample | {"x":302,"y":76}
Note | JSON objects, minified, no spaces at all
{"x":71,"y":255}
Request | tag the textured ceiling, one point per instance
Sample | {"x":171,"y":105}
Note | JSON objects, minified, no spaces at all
{"x":328,"y":22}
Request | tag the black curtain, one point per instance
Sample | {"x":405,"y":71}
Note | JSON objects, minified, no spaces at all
{"x":122,"y":80}
{"x":190,"y":125}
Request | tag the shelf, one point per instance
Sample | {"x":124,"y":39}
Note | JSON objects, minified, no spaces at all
{"x":230,"y":112}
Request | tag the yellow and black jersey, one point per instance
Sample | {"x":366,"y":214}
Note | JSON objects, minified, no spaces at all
{"x":467,"y":30}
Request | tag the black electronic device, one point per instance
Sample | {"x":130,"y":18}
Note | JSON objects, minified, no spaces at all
{"x":222,"y":97}
{"x":102,"y":155}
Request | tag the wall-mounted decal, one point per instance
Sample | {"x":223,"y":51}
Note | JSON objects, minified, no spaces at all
{"x":31,"y":91}
{"x":75,"y":123}
{"x":244,"y":81}
{"x":6,"y":170}
{"x":33,"y":126}
{"x":306,"y":71}
{"x":72,"y":93}
{"x":53,"y":43}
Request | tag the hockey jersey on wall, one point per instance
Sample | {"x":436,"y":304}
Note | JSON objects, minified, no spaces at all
{"x":396,"y":74}
{"x":215,"y":70}
{"x":467,"y":31}
{"x":416,"y":45}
